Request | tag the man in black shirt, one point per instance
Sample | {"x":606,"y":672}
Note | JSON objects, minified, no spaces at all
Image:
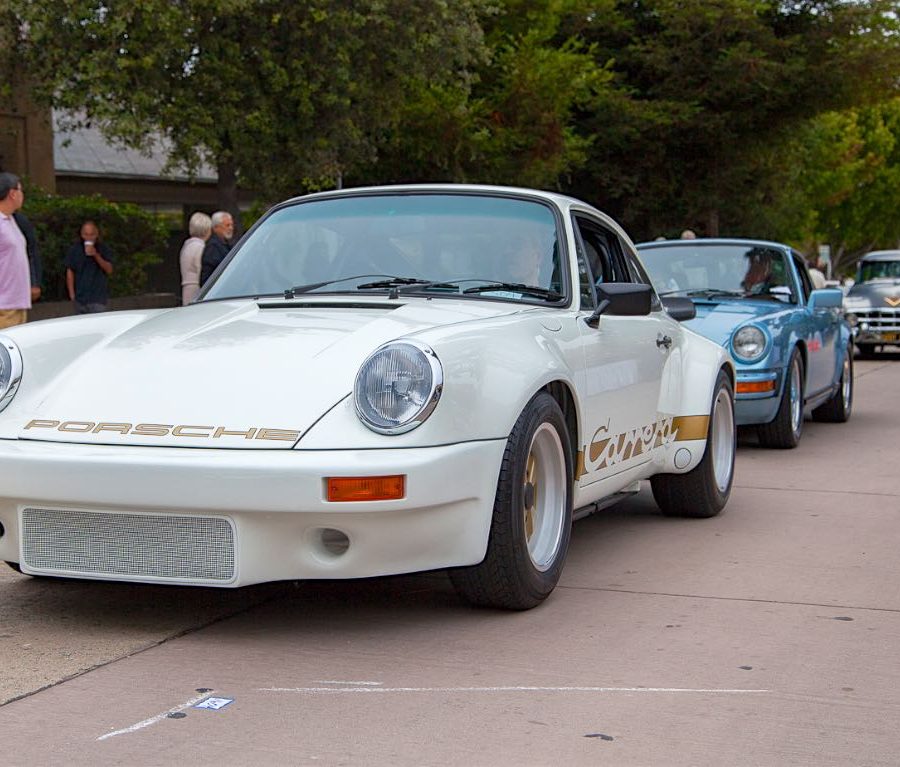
{"x":88,"y":266}
{"x":218,"y":244}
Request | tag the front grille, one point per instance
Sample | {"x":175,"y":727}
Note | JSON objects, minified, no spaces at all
{"x":880,"y":320}
{"x":154,"y":546}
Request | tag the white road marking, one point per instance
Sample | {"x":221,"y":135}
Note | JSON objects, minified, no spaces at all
{"x":509,"y":689}
{"x":157,"y":718}
{"x":357,"y":684}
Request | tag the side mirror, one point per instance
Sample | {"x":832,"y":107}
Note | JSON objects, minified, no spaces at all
{"x":679,"y":308}
{"x":826,"y":298}
{"x":624,"y":299}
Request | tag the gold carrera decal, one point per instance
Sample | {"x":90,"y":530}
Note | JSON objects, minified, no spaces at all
{"x":607,"y":449}
{"x":189,"y":431}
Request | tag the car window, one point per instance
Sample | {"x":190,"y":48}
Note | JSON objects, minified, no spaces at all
{"x":637,"y":273}
{"x":600,"y":258}
{"x":805,"y":280}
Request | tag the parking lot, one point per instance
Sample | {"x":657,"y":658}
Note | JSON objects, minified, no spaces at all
{"x":765,"y":636}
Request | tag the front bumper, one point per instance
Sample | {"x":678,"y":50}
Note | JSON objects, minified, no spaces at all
{"x":757,"y":407}
{"x":273,"y":501}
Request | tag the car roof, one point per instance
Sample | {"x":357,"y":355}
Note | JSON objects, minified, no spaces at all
{"x":882,"y":255}
{"x":714,"y":241}
{"x":559,"y":199}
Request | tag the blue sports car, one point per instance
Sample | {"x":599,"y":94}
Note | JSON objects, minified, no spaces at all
{"x":791,"y":343}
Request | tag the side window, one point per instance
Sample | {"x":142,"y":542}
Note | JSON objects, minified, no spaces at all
{"x":638,"y":274}
{"x":598,"y":261}
{"x":805,"y":281}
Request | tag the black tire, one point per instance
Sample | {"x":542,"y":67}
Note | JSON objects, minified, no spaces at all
{"x":534,"y":487}
{"x":838,"y":408}
{"x":785,"y":430}
{"x":866,"y":351}
{"x":705,"y":489}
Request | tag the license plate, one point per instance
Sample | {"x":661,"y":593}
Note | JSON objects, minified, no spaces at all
{"x":890,"y":336}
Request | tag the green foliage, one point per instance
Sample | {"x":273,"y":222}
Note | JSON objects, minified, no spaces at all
{"x":137,"y":238}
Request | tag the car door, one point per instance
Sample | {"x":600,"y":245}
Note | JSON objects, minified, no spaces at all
{"x":821,"y":335}
{"x":625,"y":359}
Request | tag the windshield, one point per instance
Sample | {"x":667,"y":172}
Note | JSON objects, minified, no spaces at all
{"x":879,"y":270}
{"x":699,"y":270}
{"x":473,"y":245}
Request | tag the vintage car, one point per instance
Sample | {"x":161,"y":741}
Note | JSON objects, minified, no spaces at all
{"x":790,"y":342}
{"x":873,"y":303}
{"x":374,"y":381}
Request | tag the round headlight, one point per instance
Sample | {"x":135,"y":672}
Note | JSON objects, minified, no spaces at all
{"x":749,"y":343}
{"x":10,"y":370}
{"x":398,"y":386}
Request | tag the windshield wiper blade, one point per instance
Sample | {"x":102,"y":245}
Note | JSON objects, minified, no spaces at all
{"x":517,"y":287}
{"x":290,"y":292}
{"x":710,"y":292}
{"x":393,"y":282}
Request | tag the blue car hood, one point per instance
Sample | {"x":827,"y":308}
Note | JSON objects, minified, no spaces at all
{"x":717,"y":321}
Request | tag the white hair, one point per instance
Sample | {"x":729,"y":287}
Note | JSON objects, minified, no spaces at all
{"x":199,"y":225}
{"x":218,"y":218}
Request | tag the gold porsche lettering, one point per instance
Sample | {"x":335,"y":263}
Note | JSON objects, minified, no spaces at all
{"x":191,"y":431}
{"x":185,"y":431}
{"x":121,"y":428}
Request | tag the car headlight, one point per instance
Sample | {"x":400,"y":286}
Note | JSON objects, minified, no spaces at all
{"x":398,"y":387}
{"x":10,"y":370}
{"x":749,"y":343}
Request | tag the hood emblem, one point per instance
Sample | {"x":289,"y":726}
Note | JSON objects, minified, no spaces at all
{"x":892,"y":301}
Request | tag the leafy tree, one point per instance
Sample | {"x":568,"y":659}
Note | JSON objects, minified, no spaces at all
{"x":272,"y":94}
{"x":712,"y":88}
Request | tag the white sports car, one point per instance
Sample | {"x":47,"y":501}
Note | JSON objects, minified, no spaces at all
{"x":374,"y":381}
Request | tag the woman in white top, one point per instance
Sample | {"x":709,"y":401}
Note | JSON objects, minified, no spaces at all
{"x":199,"y":228}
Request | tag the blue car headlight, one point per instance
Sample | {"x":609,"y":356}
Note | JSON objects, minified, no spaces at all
{"x":10,"y":370}
{"x":749,"y":343}
{"x":398,"y":387}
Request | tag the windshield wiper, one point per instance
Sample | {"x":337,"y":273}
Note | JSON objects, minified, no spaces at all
{"x":711,"y":292}
{"x":393,"y":282}
{"x":517,"y":287}
{"x":290,"y":292}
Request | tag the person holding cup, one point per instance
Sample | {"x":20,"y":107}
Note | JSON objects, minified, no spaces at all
{"x":88,"y":266}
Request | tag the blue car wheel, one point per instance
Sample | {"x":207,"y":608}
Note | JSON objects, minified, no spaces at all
{"x":785,"y":429}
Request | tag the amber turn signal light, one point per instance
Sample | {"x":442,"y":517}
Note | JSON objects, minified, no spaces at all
{"x":389,"y":488}
{"x":754,"y":387}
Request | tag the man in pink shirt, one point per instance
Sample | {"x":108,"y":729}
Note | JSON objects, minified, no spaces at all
{"x":15,"y":277}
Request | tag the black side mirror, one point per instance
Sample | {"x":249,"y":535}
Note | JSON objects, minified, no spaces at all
{"x":679,"y":308}
{"x":624,"y":299}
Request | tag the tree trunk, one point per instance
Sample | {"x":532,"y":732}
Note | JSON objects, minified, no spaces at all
{"x":712,"y":223}
{"x":226,"y":193}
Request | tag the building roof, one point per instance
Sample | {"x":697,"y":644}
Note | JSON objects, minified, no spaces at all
{"x":86,"y":152}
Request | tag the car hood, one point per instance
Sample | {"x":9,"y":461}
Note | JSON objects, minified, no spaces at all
{"x":880,"y":294}
{"x":717,"y":321}
{"x":222,"y":374}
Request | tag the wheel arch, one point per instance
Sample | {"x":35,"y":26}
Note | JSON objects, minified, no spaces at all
{"x":561,"y":391}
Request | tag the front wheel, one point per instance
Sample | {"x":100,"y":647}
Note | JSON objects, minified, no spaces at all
{"x":785,"y":430}
{"x":532,"y":518}
{"x":838,"y":408}
{"x":705,"y":489}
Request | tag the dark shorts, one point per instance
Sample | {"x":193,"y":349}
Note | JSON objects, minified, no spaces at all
{"x":89,"y":308}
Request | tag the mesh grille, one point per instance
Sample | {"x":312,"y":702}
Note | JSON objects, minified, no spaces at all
{"x":138,"y":545}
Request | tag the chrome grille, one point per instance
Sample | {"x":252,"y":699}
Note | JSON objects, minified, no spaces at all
{"x":155,"y":546}
{"x":880,"y":320}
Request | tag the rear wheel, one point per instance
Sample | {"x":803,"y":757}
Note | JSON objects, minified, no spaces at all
{"x":838,"y":408}
{"x":532,"y":518}
{"x":705,"y":489}
{"x":785,"y":430}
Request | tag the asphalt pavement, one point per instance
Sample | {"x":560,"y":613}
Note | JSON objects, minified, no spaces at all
{"x":769,"y":635}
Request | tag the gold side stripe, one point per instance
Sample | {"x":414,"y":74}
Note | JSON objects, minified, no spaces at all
{"x":690,"y":427}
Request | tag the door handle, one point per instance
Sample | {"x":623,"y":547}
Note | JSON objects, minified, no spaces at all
{"x":662,"y":340}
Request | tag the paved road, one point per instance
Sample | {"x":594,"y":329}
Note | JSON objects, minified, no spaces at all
{"x":767,"y":636}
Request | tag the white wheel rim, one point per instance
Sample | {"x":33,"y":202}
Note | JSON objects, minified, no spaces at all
{"x":796,"y":399}
{"x":544,"y":496}
{"x":722,"y":435}
{"x":847,"y":383}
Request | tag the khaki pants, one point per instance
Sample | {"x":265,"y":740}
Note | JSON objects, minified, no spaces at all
{"x":10,"y":317}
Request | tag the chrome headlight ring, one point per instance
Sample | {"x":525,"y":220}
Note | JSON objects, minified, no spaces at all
{"x":398,"y":387}
{"x":10,"y":370}
{"x":749,"y":343}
